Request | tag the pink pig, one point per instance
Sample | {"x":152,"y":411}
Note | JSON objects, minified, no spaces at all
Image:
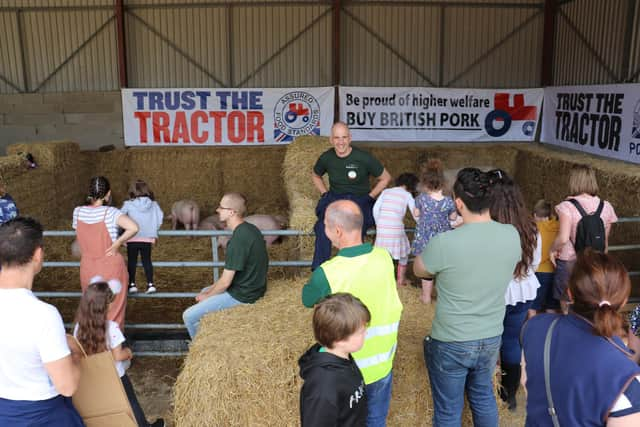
{"x":263,"y":222}
{"x":187,"y":212}
{"x":211,"y":223}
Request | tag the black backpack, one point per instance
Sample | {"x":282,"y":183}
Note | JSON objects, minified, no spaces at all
{"x":590,"y":232}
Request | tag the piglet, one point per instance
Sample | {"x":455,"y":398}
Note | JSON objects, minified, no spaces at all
{"x":211,"y":223}
{"x":187,"y":212}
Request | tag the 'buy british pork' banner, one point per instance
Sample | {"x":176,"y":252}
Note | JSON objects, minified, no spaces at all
{"x":434,"y":114}
{"x":602,"y":119}
{"x":248,"y":117}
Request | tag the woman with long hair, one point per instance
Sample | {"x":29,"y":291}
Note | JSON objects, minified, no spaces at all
{"x":507,"y":207}
{"x":591,"y":375}
{"x":96,"y":333}
{"x":96,"y":225}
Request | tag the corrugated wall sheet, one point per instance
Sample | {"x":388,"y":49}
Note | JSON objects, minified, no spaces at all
{"x":437,"y":44}
{"x":590,"y":41}
{"x":265,"y":45}
{"x":71,"y":45}
{"x":55,"y":46}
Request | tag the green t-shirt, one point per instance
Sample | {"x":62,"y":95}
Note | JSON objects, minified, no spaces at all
{"x":473,"y":266}
{"x":348,"y":174}
{"x":247,"y":256}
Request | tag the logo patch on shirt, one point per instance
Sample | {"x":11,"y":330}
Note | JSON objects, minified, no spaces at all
{"x":352,"y":174}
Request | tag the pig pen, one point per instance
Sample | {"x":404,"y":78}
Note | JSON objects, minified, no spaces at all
{"x":276,"y":181}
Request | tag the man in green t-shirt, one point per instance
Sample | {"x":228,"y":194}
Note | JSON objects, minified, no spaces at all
{"x":349,"y":169}
{"x":244,"y":278}
{"x":473,"y":265}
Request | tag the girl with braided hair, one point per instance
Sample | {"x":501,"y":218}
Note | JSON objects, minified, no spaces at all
{"x":96,"y":226}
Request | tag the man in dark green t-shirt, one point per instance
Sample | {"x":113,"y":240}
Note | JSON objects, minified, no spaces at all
{"x":244,"y":278}
{"x":349,"y":169}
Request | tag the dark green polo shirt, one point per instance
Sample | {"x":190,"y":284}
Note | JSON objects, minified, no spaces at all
{"x":247,"y":256}
{"x":349,"y":174}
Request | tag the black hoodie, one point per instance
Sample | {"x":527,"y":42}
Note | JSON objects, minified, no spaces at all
{"x":333,"y":391}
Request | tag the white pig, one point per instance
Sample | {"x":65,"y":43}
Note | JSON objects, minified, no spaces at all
{"x":187,"y":212}
{"x":212,"y":223}
{"x":263,"y":222}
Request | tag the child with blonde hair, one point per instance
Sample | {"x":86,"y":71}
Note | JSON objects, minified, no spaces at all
{"x":435,"y":211}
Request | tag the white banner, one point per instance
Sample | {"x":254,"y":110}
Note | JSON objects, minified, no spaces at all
{"x":434,"y":114}
{"x":229,"y":117}
{"x":602,"y":120}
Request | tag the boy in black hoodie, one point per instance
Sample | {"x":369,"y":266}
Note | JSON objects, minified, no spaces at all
{"x":333,"y":392}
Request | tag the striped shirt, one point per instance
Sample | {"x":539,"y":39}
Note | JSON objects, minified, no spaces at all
{"x":95,"y":214}
{"x":389,"y":212}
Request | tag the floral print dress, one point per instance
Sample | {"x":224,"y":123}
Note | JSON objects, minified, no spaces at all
{"x":434,"y":219}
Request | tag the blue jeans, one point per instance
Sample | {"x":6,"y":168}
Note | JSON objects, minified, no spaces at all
{"x":514,"y":318}
{"x":378,"y":400}
{"x":193,"y":314}
{"x":458,"y":366}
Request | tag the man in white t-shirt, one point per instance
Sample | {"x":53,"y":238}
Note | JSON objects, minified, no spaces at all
{"x":37,"y":371}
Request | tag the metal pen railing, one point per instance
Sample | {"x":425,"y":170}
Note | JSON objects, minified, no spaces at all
{"x":216,"y":264}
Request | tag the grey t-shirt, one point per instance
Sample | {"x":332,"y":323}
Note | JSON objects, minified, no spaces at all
{"x":473,"y":266}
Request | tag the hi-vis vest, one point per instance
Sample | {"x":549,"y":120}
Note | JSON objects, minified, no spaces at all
{"x":370,"y":277}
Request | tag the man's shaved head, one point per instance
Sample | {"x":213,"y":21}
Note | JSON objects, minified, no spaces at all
{"x":235,"y":201}
{"x":345,"y":214}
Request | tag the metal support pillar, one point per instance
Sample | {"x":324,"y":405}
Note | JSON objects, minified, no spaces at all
{"x":122,"y":46}
{"x":548,"y":42}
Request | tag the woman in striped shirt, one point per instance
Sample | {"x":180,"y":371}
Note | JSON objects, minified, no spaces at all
{"x":96,"y":226}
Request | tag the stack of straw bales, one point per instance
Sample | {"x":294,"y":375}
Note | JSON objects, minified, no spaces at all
{"x":297,"y":166}
{"x":50,"y":191}
{"x":242,"y":368}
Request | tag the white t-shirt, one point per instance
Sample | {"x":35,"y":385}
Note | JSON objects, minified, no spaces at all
{"x":114,"y":339}
{"x":32,"y":334}
{"x":93,"y":215}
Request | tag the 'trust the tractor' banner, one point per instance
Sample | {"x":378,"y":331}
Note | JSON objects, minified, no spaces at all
{"x":602,"y":119}
{"x":238,"y":117}
{"x":434,"y":114}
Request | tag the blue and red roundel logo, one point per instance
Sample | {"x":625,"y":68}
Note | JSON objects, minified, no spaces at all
{"x":295,"y":114}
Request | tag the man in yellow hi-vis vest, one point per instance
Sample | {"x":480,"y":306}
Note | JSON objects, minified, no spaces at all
{"x":367,"y":273}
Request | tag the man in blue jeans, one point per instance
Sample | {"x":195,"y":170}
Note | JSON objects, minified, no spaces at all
{"x":472,"y":265}
{"x":244,"y":278}
{"x":348,"y":169}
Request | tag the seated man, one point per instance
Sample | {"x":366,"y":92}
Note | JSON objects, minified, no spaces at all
{"x":37,"y":372}
{"x":244,"y":278}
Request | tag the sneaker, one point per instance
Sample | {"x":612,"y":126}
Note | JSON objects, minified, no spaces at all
{"x":158,"y":423}
{"x":133,"y":289}
{"x":151,"y":289}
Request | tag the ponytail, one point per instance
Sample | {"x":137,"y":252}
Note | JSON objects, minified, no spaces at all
{"x":607,"y":321}
{"x":600,"y":286}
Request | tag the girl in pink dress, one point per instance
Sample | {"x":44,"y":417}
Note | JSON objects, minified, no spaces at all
{"x":389,"y":212}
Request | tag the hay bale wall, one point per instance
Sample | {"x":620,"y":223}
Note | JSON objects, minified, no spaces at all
{"x":50,"y":190}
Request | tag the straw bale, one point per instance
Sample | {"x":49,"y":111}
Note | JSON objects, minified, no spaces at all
{"x":300,"y":157}
{"x":242,"y":367}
